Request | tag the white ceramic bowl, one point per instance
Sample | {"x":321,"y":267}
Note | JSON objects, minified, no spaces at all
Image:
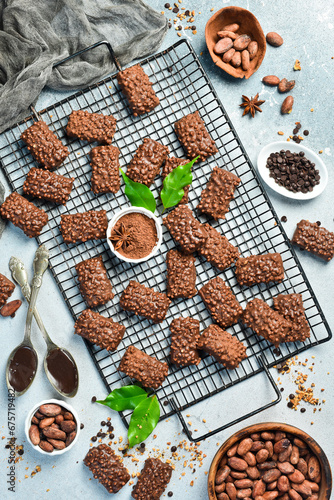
{"x":294,"y":148}
{"x":138,"y":210}
{"x":65,"y":405}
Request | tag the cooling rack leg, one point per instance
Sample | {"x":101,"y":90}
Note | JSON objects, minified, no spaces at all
{"x":236,"y":421}
{"x":97,"y":44}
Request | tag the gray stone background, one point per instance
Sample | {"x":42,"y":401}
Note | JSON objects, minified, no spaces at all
{"x":307,"y":28}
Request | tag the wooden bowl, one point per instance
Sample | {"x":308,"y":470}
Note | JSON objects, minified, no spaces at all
{"x":326,"y":474}
{"x":248,"y":25}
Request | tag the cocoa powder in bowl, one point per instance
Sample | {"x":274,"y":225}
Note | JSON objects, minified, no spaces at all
{"x":134,"y":235}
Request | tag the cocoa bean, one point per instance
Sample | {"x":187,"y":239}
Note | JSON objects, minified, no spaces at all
{"x":244,"y":493}
{"x":307,"y":456}
{"x":270,"y":447}
{"x":242,"y":42}
{"x":296,"y":477}
{"x":267,"y":465}
{"x":250,"y":458}
{"x":257,"y":445}
{"x":262,"y":456}
{"x":285,"y":454}
{"x":294,"y":457}
{"x":252,"y":49}
{"x":46,"y":446}
{"x":68,"y":415}
{"x":237,"y":463}
{"x":259,"y":488}
{"x":303,"y":452}
{"x":39,"y":415}
{"x":50,"y":410}
{"x":303,"y":489}
{"x":270,"y":495}
{"x":298,"y":442}
{"x":243,"y":483}
{"x":294,"y":495}
{"x":223,"y":45}
{"x":245,"y":60}
{"x":35,"y":420}
{"x":314,"y":486}
{"x":231,"y":27}
{"x":253,"y":472}
{"x":272,"y":486}
{"x":281,"y":445}
{"x":285,"y":85}
{"x":219,"y":488}
{"x":54,"y":426}
{"x":271,"y":475}
{"x":52,"y":433}
{"x":70,"y":438}
{"x":255,"y":436}
{"x":222,"y":496}
{"x":228,"y":55}
{"x":231,"y":491}
{"x":68,"y":426}
{"x":226,"y":33}
{"x":284,"y":497}
{"x":229,"y":479}
{"x":46,"y":422}
{"x":34,"y":434}
{"x":222,"y":474}
{"x":59,"y":418}
{"x":58,"y":445}
{"x":314,"y":497}
{"x":279,"y":435}
{"x":268,"y":436}
{"x":236,"y":59}
{"x":313,"y":468}
{"x":232,"y":451}
{"x":244,"y":446}
{"x":238,"y":475}
{"x":317,"y":479}
{"x":283,"y":484}
{"x":274,"y":39}
{"x":285,"y":467}
{"x":10,"y":308}
{"x":271,"y":80}
{"x":274,"y":458}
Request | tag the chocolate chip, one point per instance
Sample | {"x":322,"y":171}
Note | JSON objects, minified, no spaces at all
{"x":282,"y":389}
{"x":290,"y":405}
{"x":103,"y":423}
{"x":170,"y":494}
{"x":193,"y":28}
{"x":291,"y":396}
{"x":142,"y":445}
{"x":94,"y":399}
{"x":173,"y":449}
{"x":318,"y":223}
{"x":20,"y":452}
{"x":112,"y":436}
{"x":302,"y":410}
{"x":306,"y":132}
{"x":187,"y":13}
{"x":94,"y":438}
{"x":99,"y":434}
{"x":295,"y":131}
{"x":176,"y":10}
{"x":284,"y":218}
{"x":166,"y":403}
{"x":82,"y":426}
{"x":167,"y":5}
{"x":169,"y":25}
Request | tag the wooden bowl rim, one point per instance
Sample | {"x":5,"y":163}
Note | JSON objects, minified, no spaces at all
{"x":219,"y":62}
{"x":326,"y":478}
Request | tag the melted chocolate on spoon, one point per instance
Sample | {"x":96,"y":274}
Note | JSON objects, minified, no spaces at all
{"x":22,"y":368}
{"x":62,"y":370}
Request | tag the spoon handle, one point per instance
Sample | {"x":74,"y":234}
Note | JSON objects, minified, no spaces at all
{"x":20,"y":275}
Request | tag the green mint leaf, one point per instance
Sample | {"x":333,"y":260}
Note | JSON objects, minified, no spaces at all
{"x":125,"y":398}
{"x":172,"y":191}
{"x":139,"y":195}
{"x":143,"y":420}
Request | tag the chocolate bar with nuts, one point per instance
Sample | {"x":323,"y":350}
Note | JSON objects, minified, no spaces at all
{"x":221,"y":302}
{"x":259,"y":269}
{"x":181,"y":275}
{"x":217,"y":249}
{"x":91,"y":126}
{"x":84,"y":226}
{"x":44,"y":145}
{"x":225,"y":348}
{"x":104,"y":332}
{"x":291,"y":307}
{"x":170,"y":164}
{"x":218,"y":193}
{"x":6,"y":289}
{"x":184,"y":338}
{"x":107,"y":467}
{"x":187,"y":231}
{"x":46,"y":185}
{"x":24,"y":214}
{"x":194,"y":137}
{"x":267,"y":323}
{"x":105,"y":169}
{"x":147,"y":161}
{"x":94,"y":284}
{"x":144,"y":301}
{"x":315,"y":239}
{"x":153,"y":480}
{"x":137,"y":88}
{"x":144,"y":368}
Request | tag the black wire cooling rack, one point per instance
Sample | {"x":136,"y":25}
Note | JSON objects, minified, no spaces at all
{"x":251,"y":224}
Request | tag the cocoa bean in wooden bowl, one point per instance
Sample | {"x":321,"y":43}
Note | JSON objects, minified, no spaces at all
{"x":235,"y":41}
{"x":52,"y":427}
{"x":268,"y":461}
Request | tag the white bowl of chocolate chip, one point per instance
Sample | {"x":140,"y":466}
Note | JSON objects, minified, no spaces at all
{"x":292,"y":170}
{"x":52,"y":427}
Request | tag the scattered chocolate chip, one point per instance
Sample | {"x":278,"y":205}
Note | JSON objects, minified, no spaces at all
{"x":290,"y":405}
{"x":112,"y":436}
{"x":99,"y":434}
{"x":318,"y":223}
{"x":295,"y":131}
{"x":170,"y":494}
{"x":291,"y":396}
{"x":193,"y":28}
{"x":82,"y":426}
{"x":187,"y":13}
{"x":284,"y":218}
{"x":94,"y":399}
{"x":298,"y":126}
{"x":176,"y":10}
{"x":302,"y":410}
{"x":94,"y":438}
{"x":20,"y":452}
{"x":169,"y":25}
{"x":142,"y":445}
{"x":167,"y":5}
{"x":173,"y":449}
{"x":306,"y":132}
{"x":166,"y":402}
{"x":277,"y":351}
{"x":103,"y":435}
{"x":124,"y":451}
{"x":103,"y":423}
{"x":282,"y":389}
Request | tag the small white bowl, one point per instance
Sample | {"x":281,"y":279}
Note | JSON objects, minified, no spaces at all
{"x":294,"y":148}
{"x":65,"y":405}
{"x":138,"y":210}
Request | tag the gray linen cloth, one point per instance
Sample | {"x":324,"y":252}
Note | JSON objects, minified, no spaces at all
{"x":35,"y":34}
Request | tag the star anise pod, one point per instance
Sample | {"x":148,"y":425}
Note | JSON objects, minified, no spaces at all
{"x":251,"y":105}
{"x":120,"y":237}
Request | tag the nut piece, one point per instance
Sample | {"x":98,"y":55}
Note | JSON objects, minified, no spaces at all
{"x":228,"y":55}
{"x":223,"y":45}
{"x":271,"y":80}
{"x":274,"y":39}
{"x":34,"y":435}
{"x":287,"y":105}
{"x":245,"y":60}
{"x":50,"y":410}
{"x":242,"y":42}
{"x":285,"y":86}
{"x":229,"y":34}
{"x":231,"y":27}
{"x":252,"y":49}
{"x":10,"y":308}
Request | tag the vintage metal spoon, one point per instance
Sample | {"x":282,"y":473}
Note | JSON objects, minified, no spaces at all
{"x":22,"y":362}
{"x":55,"y":355}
